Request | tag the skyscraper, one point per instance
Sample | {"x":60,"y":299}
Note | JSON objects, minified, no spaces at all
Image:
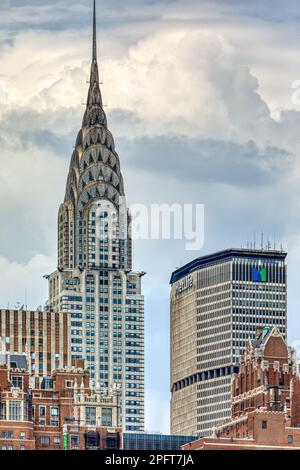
{"x":94,"y":282}
{"x":218,"y":301}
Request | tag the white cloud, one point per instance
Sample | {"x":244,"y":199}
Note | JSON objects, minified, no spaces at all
{"x":27,"y":277}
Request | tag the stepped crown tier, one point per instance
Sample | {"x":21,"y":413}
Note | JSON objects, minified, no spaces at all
{"x":94,"y":172}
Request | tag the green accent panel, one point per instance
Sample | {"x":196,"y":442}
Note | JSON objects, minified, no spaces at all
{"x":266,"y":330}
{"x":65,"y":441}
{"x":263,"y":273}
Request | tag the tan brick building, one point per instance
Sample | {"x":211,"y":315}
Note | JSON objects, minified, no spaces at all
{"x":43,"y":335}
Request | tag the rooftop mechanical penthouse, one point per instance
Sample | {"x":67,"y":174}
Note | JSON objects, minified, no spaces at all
{"x":217,"y":303}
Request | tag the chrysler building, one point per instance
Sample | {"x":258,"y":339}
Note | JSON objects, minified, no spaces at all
{"x":94,"y":283}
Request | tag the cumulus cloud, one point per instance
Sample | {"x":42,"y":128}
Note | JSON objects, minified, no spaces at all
{"x":32,"y":180}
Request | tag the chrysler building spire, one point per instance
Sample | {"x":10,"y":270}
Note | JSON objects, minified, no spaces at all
{"x":94,"y":91}
{"x":94,"y":34}
{"x":94,"y":283}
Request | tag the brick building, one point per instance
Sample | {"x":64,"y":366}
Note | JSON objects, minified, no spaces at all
{"x":43,"y":335}
{"x":65,"y":411}
{"x":265,"y":399}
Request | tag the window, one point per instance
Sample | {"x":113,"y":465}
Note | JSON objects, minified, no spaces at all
{"x":107,"y":417}
{"x":3,"y":435}
{"x":4,"y":447}
{"x":56,"y":440}
{"x":17,"y":382}
{"x":10,"y":448}
{"x":3,"y":410}
{"x":22,"y":435}
{"x":90,"y":415}
{"x":69,"y":383}
{"x":54,"y":411}
{"x":42,"y":411}
{"x":15,"y":410}
{"x":264,"y":424}
{"x":45,"y":440}
{"x":290,"y":439}
{"x":74,"y":441}
{"x":9,"y":435}
{"x":22,"y":448}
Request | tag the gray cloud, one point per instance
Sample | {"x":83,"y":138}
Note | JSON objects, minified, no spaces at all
{"x":207,"y":160}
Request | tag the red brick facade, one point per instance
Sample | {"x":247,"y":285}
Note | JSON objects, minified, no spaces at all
{"x":64,"y":412}
{"x":265,"y":400}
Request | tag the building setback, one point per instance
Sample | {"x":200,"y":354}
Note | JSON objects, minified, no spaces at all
{"x":217,"y":303}
{"x":94,"y":283}
{"x":42,"y":335}
{"x":265,"y":400}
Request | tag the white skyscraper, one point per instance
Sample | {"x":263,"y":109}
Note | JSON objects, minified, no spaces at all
{"x":94,"y":283}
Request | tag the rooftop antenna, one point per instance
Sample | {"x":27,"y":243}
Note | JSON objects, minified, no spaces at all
{"x":26,"y":298}
{"x":254,"y":239}
{"x":94,"y":34}
{"x":262,"y":241}
{"x":274,"y":241}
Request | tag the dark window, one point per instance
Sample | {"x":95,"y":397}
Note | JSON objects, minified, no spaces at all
{"x":74,"y":441}
{"x":91,"y":440}
{"x":264,"y":424}
{"x":290,"y":439}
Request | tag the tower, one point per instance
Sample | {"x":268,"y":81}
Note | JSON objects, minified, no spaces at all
{"x":219,"y":302}
{"x":94,"y":282}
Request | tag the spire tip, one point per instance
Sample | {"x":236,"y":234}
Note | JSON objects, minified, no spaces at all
{"x":94,"y":34}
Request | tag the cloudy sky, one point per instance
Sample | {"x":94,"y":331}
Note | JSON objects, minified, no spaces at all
{"x":204,"y":104}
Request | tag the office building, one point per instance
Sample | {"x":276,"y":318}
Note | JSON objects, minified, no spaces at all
{"x":217,"y":303}
{"x":94,"y":283}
